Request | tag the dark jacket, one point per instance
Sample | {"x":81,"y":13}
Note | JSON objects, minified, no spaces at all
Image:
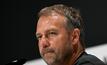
{"x":87,"y":59}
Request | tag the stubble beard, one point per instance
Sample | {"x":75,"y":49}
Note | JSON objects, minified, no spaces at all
{"x":55,"y":58}
{"x":49,"y":58}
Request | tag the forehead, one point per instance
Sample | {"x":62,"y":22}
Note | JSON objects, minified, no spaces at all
{"x":52,"y":21}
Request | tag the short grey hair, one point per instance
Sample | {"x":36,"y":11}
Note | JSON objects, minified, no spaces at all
{"x":74,"y":20}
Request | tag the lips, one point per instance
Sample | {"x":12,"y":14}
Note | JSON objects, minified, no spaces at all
{"x":47,"y":50}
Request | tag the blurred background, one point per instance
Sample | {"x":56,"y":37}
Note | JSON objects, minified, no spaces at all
{"x":19,"y":25}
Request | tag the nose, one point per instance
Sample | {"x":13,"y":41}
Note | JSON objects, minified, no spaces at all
{"x":44,"y":43}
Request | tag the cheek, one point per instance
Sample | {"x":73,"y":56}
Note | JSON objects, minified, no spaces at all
{"x":59,"y":43}
{"x":40,"y":47}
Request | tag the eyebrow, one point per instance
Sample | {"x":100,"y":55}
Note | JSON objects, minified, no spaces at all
{"x":53,"y":29}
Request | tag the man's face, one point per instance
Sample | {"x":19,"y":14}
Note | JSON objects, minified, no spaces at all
{"x":53,"y":39}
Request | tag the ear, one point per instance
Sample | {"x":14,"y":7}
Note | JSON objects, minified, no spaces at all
{"x":75,"y":36}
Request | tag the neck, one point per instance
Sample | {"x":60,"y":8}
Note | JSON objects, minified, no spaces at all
{"x":76,"y":53}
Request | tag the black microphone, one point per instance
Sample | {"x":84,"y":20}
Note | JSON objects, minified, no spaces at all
{"x":17,"y":62}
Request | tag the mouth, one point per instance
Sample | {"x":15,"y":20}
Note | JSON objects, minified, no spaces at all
{"x":48,"y":55}
{"x":47,"y":51}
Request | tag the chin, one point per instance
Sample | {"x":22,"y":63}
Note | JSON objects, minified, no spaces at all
{"x":50,"y":59}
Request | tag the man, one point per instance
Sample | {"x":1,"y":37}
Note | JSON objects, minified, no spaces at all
{"x":60,"y":37}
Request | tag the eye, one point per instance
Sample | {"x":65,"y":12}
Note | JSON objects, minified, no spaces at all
{"x":52,"y":33}
{"x":38,"y":36}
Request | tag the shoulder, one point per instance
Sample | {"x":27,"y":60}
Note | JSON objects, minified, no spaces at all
{"x":88,"y":59}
